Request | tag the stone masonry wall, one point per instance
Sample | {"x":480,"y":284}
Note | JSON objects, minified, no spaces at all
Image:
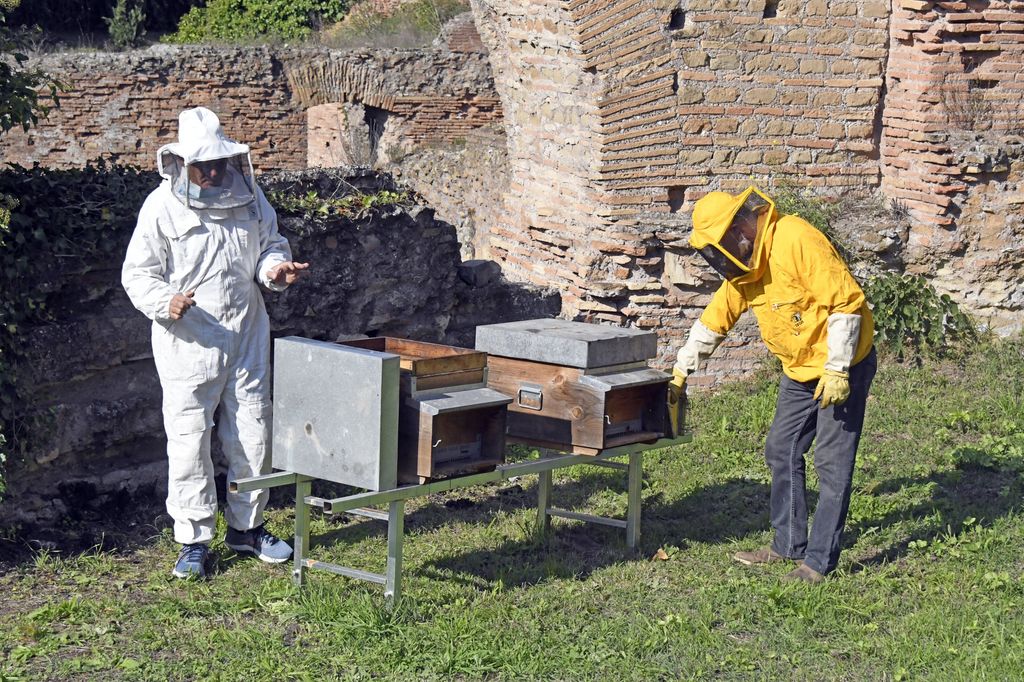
{"x":621,"y":112}
{"x":124,"y":106}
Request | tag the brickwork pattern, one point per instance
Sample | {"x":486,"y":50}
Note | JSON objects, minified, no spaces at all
{"x":622,"y":112}
{"x":125,"y":106}
{"x":956,"y":68}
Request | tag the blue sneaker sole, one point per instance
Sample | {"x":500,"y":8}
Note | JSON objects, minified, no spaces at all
{"x":178,"y":574}
{"x":246,"y":549}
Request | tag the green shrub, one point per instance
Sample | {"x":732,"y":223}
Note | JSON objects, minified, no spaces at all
{"x":127,"y":25}
{"x":249,"y":20}
{"x":23,"y":91}
{"x":910,"y":315}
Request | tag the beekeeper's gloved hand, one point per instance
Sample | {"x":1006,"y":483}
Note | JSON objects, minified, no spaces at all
{"x":676,"y":386}
{"x":700,"y":344}
{"x":833,"y":388}
{"x":843,"y":333}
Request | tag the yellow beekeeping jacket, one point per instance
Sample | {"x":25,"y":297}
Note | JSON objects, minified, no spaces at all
{"x":798,"y":280}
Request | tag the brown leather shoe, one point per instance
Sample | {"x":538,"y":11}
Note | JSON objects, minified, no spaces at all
{"x":765,"y":555}
{"x":803,"y":573}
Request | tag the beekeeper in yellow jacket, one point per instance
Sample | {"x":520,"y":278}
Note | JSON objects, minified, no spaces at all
{"x":813,"y":316}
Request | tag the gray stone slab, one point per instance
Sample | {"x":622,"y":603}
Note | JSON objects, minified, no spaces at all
{"x":561,"y":342}
{"x":336,"y":412}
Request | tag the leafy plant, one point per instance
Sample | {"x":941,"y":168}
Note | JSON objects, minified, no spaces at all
{"x":127,"y":25}
{"x":355,"y":205}
{"x":250,"y":20}
{"x":910,"y":315}
{"x":21,"y":102}
{"x":1003,"y":451}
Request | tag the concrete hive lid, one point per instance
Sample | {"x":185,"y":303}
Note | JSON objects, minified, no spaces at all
{"x":561,"y":342}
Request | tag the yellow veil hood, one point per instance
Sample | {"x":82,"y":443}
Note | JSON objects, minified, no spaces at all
{"x":713,"y":214}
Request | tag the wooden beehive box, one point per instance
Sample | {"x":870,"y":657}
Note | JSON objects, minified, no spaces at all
{"x":577,"y":387}
{"x":450,"y":423}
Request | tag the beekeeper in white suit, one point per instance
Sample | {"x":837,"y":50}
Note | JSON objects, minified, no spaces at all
{"x":205,"y":239}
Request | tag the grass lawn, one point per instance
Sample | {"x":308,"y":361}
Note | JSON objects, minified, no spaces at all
{"x":930,"y":585}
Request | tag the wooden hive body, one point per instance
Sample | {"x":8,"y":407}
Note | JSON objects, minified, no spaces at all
{"x":450,"y":423}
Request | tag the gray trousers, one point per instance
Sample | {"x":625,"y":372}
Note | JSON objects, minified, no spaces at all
{"x":799,"y":421}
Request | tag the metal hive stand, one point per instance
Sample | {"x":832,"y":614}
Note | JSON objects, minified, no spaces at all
{"x":395,"y":498}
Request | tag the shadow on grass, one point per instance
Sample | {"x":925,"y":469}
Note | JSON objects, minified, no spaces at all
{"x":114,"y":522}
{"x":971,"y":492}
{"x":710,"y":514}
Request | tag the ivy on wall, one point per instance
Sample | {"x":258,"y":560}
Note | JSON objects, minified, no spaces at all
{"x":55,"y":225}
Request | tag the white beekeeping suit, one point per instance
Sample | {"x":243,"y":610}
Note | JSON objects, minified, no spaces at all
{"x":212,"y":245}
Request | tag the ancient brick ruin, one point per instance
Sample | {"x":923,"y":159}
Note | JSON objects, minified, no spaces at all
{"x":567,"y":139}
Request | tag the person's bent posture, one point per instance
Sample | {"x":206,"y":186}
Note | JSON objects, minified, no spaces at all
{"x":204,"y":239}
{"x":813,"y":316}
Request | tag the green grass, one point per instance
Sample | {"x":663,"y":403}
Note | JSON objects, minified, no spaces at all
{"x":930,"y":582}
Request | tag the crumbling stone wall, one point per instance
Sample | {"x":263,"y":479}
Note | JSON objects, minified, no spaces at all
{"x":952,"y":149}
{"x":618,"y":114}
{"x":622,"y":113}
{"x":396,"y":274}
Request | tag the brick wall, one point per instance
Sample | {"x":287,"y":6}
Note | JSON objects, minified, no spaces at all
{"x":955,"y":85}
{"x":624,"y":112}
{"x":124,"y":106}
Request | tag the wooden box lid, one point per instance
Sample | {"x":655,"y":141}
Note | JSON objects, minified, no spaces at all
{"x":422,"y":358}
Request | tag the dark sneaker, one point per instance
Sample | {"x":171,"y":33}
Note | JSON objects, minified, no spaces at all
{"x":765,"y":555}
{"x":192,"y":561}
{"x":260,"y":542}
{"x":803,"y":573}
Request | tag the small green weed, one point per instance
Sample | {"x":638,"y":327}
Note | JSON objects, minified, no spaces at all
{"x":353,"y":206}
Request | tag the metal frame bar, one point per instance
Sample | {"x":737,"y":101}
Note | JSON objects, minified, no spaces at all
{"x":395,"y":498}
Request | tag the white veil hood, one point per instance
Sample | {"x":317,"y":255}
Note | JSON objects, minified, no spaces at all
{"x":201,"y":138}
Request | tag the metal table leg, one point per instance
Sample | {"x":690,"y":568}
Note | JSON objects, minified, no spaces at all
{"x":396,"y":533}
{"x":544,"y":479}
{"x":635,"y":481}
{"x":303,"y":488}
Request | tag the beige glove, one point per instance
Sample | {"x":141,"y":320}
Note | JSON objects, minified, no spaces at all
{"x":833,"y":388}
{"x":843,"y":333}
{"x":700,"y":344}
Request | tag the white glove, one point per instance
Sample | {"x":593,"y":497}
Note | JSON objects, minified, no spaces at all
{"x":843,"y":335}
{"x":700,"y":344}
